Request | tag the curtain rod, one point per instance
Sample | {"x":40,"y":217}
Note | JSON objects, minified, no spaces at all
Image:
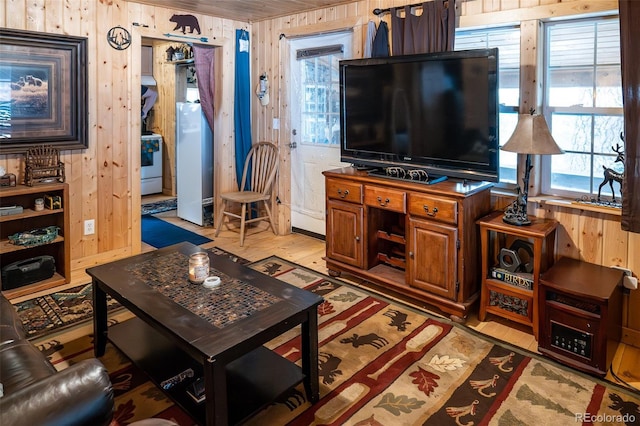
{"x":379,"y":12}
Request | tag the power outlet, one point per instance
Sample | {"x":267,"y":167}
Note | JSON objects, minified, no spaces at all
{"x":628,"y":281}
{"x":89,"y":227}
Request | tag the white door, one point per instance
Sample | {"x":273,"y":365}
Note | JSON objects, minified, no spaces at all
{"x":315,"y":123}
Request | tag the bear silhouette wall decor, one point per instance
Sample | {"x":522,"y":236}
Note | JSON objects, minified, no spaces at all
{"x":185,"y":21}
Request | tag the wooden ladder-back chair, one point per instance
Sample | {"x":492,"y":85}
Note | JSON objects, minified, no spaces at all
{"x":260,"y":168}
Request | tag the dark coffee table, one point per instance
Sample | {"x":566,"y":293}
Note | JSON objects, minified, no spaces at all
{"x":183,"y":332}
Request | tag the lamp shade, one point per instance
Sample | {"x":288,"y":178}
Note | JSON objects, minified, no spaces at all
{"x":532,"y":136}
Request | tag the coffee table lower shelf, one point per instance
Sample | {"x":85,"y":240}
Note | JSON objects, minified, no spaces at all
{"x":253,"y":381}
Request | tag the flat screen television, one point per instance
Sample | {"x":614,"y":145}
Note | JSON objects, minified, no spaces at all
{"x":434,"y":112}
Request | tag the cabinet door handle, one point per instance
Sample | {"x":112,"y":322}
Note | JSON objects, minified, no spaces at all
{"x":357,"y":238}
{"x":411,"y":254}
{"x":343,"y":194}
{"x":432,"y":213}
{"x":383,"y":204}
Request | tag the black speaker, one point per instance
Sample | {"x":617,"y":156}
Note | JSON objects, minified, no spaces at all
{"x":23,"y":272}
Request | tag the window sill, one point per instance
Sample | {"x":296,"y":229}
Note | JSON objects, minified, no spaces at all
{"x":562,"y":202}
{"x":572,"y":204}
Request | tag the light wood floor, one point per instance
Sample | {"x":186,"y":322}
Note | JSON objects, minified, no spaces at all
{"x":260,"y":242}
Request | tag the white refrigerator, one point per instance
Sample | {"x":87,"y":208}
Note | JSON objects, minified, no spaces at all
{"x":194,"y":163}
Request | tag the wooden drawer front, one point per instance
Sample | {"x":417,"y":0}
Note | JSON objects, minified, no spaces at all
{"x":436,"y":208}
{"x":345,"y":191}
{"x":385,"y":198}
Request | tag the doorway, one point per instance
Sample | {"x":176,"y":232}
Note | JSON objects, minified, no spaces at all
{"x":169,"y":67}
{"x":315,"y":123}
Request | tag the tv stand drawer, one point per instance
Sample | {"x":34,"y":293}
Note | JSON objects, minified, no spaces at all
{"x":385,"y":198}
{"x":344,"y":190}
{"x":442,"y":209}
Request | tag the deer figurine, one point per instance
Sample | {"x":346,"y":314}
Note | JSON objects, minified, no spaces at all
{"x":611,"y":175}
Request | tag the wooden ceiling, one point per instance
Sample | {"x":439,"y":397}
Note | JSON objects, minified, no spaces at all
{"x":245,"y":10}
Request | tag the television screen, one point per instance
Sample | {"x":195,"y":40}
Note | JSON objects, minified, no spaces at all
{"x":436,"y":112}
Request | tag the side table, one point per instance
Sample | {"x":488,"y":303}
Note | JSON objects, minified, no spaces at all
{"x":514,"y":295}
{"x":581,"y":314}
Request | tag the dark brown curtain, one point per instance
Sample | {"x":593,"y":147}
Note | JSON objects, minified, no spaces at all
{"x":432,"y":31}
{"x":630,"y":57}
{"x":204,"y":61}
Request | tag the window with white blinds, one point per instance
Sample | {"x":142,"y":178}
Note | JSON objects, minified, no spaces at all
{"x":507,"y":40}
{"x":583,"y":105}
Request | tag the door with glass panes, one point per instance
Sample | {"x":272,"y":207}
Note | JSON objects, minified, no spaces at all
{"x":315,"y":123}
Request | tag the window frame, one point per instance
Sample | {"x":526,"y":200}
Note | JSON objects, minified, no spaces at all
{"x":545,"y":171}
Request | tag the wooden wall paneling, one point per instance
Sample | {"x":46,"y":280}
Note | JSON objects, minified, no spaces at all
{"x":165,"y":111}
{"x":472,"y":8}
{"x":509,"y":4}
{"x":54,"y":16}
{"x":474,"y":17}
{"x":567,"y":233}
{"x":223,"y":133}
{"x":529,"y":3}
{"x":615,"y":242}
{"x":81,"y":166}
{"x":530,"y":83}
{"x":123,"y":138}
{"x":106,"y":132}
{"x":491,"y":6}
{"x":282,"y":57}
{"x":72,"y":14}
{"x":82,"y":178}
{"x":35,"y":9}
{"x":3,"y":13}
{"x":16,"y":14}
{"x":141,"y":15}
{"x":590,"y":241}
{"x":165,"y":107}
{"x":259,"y":41}
{"x":265,"y":48}
{"x":530,"y":90}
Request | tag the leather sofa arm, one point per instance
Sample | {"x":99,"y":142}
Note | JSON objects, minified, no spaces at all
{"x":78,"y":395}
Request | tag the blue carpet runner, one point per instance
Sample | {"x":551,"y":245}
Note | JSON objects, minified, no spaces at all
{"x":159,"y":233}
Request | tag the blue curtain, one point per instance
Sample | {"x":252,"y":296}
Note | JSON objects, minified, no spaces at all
{"x":242,"y":111}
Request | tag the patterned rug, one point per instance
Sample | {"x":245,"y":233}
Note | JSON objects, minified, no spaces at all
{"x":383,"y":363}
{"x":160,"y":206}
{"x":57,"y":311}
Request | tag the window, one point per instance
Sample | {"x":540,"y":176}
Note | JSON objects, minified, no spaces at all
{"x":582,"y":104}
{"x":507,"y":40}
{"x":318,"y":73}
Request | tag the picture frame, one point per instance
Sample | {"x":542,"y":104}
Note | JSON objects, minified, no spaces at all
{"x":43,"y":91}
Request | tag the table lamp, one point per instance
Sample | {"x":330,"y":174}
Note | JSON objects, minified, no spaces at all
{"x":531,"y":136}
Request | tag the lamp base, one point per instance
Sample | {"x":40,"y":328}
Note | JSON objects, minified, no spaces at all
{"x":516,"y":220}
{"x":516,"y":213}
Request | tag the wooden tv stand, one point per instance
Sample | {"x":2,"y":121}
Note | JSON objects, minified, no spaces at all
{"x":410,"y":240}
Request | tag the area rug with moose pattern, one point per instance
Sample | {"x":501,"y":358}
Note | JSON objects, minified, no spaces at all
{"x":384,"y":363}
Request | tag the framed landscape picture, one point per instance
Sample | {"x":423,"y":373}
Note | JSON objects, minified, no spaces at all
{"x":43,"y":91}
